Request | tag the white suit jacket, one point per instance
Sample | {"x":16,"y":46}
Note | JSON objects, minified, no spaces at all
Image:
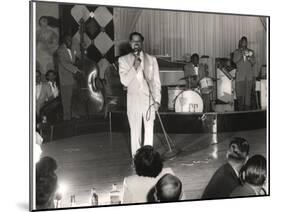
{"x":138,"y":98}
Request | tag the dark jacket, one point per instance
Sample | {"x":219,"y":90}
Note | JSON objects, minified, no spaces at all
{"x":222,"y":183}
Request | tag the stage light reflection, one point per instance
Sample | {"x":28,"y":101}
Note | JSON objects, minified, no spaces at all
{"x":62,"y":188}
{"x":215,"y":152}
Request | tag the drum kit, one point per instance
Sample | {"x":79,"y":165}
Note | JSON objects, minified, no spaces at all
{"x":189,"y":99}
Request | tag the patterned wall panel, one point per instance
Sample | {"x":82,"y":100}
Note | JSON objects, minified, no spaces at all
{"x":99,"y":31}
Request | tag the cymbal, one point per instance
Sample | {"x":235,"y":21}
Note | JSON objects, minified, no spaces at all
{"x":184,"y":78}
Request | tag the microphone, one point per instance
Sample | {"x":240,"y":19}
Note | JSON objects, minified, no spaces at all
{"x":136,"y":52}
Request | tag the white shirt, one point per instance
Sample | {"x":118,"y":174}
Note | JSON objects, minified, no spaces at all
{"x":69,"y":52}
{"x":195,"y":68}
{"x":140,"y":70}
{"x":54,"y":89}
{"x":38,"y":90}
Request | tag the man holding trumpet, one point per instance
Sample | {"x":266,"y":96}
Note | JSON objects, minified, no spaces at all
{"x":245,"y":77}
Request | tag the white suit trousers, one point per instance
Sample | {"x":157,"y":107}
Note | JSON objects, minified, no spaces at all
{"x":135,"y":121}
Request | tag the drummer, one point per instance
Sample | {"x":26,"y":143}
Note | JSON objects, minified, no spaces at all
{"x":193,"y":73}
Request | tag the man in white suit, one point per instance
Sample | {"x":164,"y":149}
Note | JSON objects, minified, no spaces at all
{"x":139,"y":72}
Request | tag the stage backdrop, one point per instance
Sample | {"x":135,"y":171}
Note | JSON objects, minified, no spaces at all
{"x":177,"y":33}
{"x":99,"y":31}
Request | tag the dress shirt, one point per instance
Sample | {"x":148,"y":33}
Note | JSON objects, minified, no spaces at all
{"x":70,"y":54}
{"x":54,"y":89}
{"x":38,"y":90}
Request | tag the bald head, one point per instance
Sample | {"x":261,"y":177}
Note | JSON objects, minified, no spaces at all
{"x":168,"y":188}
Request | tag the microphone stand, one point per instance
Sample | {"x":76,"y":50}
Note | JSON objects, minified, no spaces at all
{"x":172,"y":150}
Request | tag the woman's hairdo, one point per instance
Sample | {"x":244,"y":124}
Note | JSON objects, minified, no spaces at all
{"x":46,"y":181}
{"x":254,"y":171}
{"x":148,"y":162}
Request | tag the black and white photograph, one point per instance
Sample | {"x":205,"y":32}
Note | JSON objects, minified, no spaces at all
{"x":136,"y":105}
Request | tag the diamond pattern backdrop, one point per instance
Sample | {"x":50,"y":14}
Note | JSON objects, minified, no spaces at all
{"x":99,"y":31}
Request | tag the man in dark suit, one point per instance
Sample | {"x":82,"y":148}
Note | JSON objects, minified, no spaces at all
{"x":194,"y":72}
{"x":226,"y":178}
{"x":66,"y":69}
{"x":244,"y":58}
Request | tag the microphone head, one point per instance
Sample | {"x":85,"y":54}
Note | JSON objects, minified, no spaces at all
{"x":136,"y":51}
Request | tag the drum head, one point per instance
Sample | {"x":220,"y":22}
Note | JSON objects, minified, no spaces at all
{"x":189,"y":101}
{"x":173,"y":92}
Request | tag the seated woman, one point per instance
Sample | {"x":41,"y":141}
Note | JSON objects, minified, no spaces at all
{"x":253,"y":177}
{"x":149,"y":169}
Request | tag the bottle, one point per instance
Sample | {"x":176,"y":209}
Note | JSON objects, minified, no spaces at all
{"x":57,"y":200}
{"x":72,"y":201}
{"x":114,"y":195}
{"x":94,"y":197}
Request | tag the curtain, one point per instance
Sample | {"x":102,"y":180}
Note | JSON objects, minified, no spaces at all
{"x":178,"y":33}
{"x":124,"y":22}
{"x":263,"y":21}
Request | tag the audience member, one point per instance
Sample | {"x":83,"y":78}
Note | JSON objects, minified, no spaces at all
{"x":168,"y":188}
{"x":46,"y":183}
{"x":52,"y":108}
{"x":226,"y":178}
{"x":43,"y":92}
{"x":149,"y":169}
{"x":37,"y":147}
{"x":253,"y":177}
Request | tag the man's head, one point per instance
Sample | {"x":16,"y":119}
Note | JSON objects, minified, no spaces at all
{"x":38,"y":76}
{"x":67,"y":40}
{"x":46,"y":182}
{"x":136,"y":41}
{"x":168,"y":188}
{"x":195,"y":59}
{"x":51,"y":75}
{"x":254,"y":171}
{"x":148,"y":162}
{"x":43,"y":21}
{"x":238,"y":150}
{"x":244,"y":42}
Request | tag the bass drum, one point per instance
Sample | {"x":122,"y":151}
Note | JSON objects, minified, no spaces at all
{"x":173,"y":92}
{"x":189,"y":101}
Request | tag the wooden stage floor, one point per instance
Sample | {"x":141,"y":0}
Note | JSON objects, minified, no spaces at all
{"x":94,"y":161}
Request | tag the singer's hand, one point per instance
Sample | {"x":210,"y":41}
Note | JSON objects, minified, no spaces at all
{"x":137,"y":62}
{"x":156,"y":106}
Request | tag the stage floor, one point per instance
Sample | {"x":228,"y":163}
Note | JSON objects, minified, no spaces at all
{"x":95,"y":160}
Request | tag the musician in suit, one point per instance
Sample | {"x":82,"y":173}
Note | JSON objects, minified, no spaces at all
{"x":43,"y":92}
{"x":194,"y":72}
{"x":66,"y":69}
{"x":138,"y":70}
{"x":244,"y":58}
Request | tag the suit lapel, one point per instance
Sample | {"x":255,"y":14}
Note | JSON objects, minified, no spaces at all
{"x":146,"y":65}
